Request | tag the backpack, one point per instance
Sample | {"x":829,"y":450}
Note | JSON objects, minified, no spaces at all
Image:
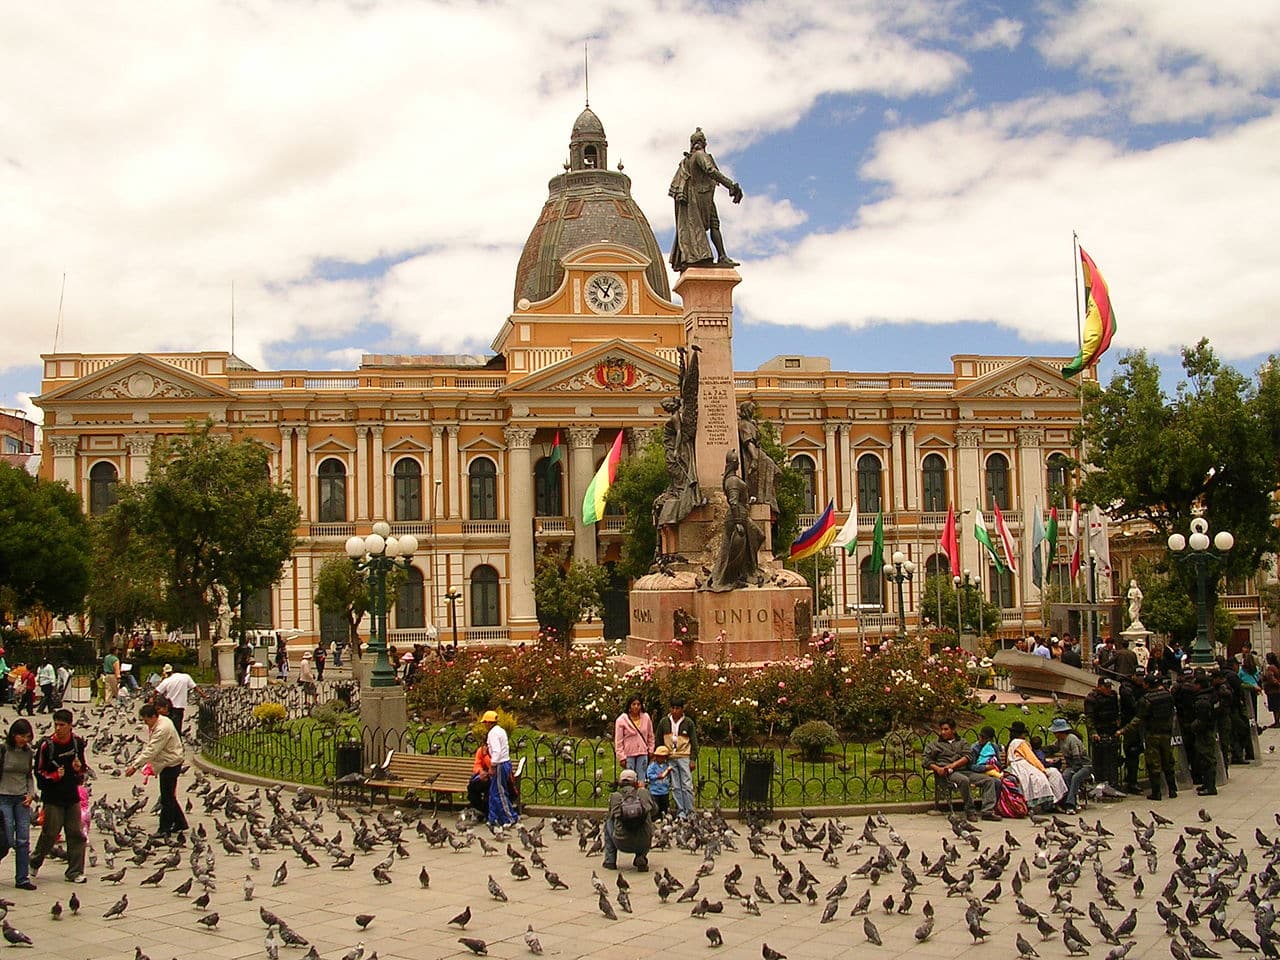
{"x":631,"y":811}
{"x":1011,"y":802}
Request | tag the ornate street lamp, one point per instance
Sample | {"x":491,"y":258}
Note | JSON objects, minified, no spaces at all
{"x":1203,"y":558}
{"x":375,"y":556}
{"x":900,"y":571}
{"x":453,"y":596}
{"x":969,"y":581}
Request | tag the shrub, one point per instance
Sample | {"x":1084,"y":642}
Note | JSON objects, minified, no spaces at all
{"x":814,"y":739}
{"x":270,"y":714}
{"x":175,"y":653}
{"x":329,"y":715}
{"x":506,"y":720}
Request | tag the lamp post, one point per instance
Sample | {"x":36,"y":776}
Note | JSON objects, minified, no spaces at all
{"x":377,"y":555}
{"x":900,"y":571}
{"x":453,"y":596}
{"x":1203,"y":559}
{"x":959,"y":618}
{"x":969,"y":581}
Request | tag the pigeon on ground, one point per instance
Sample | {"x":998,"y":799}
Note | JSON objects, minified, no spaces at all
{"x":496,"y":891}
{"x":363,"y":920}
{"x":924,"y":931}
{"x":118,"y":908}
{"x":1025,"y":949}
{"x":532,"y":942}
{"x":769,"y":953}
{"x":713,"y":937}
{"x":478,"y":947}
{"x":424,"y":878}
{"x":210,"y":920}
{"x":282,"y":873}
{"x":870,"y":932}
{"x":463,"y":918}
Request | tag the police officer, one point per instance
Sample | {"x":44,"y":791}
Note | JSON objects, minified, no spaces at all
{"x":1204,"y":730}
{"x":1102,"y":712}
{"x":1130,"y":733}
{"x":1184,"y":698}
{"x":1155,"y":712}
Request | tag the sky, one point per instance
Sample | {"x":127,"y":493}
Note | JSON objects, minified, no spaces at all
{"x":364,"y":174}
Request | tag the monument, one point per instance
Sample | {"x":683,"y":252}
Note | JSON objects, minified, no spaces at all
{"x":717,"y":593}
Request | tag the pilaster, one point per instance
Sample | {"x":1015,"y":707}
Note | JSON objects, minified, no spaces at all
{"x":911,"y":476}
{"x":140,"y":446}
{"x":362,"y":473}
{"x":969,"y":439}
{"x":379,"y":473}
{"x":896,"y":472}
{"x":846,"y":468}
{"x":302,"y":482}
{"x":64,"y":459}
{"x":830,"y":489}
{"x":519,"y":438}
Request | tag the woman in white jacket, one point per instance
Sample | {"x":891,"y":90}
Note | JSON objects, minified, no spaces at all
{"x":1043,"y":786}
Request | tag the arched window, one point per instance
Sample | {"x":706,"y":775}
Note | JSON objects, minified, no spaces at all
{"x":937,"y":566}
{"x":103,"y":478}
{"x":934,"y":474}
{"x":1058,"y":481}
{"x":485,"y":610}
{"x":255,"y":613}
{"x":547,"y":501}
{"x":868,"y":483}
{"x":410,"y":609}
{"x":803,"y":464}
{"x":334,"y":627}
{"x":870,"y":584}
{"x":1000,"y":586}
{"x":998,"y":481}
{"x":408,"y":489}
{"x":333,"y":491}
{"x":483,"y":474}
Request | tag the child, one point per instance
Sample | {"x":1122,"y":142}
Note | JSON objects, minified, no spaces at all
{"x":658,"y":775}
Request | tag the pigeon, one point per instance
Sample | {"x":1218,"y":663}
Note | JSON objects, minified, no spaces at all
{"x":555,"y":883}
{"x":282,"y":872}
{"x":424,"y":878}
{"x":271,"y":944}
{"x":768,"y":953}
{"x":462,"y":919}
{"x":496,"y":891}
{"x":114,"y":877}
{"x":1025,"y":949}
{"x":201,"y":901}
{"x":184,"y":887}
{"x":355,"y":953}
{"x":532,"y":942}
{"x":118,"y":908}
{"x":924,"y":931}
{"x":363,"y":920}
{"x":607,"y":908}
{"x":248,"y":887}
{"x":478,"y":947}
{"x":14,"y":937}
{"x":870,"y":932}
{"x":210,"y":920}
{"x":713,"y":937}
{"x":56,"y":910}
{"x":74,"y":904}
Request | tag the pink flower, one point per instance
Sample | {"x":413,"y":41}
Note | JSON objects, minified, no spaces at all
{"x":782,"y":701}
{"x":781,"y":685}
{"x":887,"y":690}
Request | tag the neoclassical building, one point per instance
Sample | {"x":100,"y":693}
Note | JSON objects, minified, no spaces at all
{"x":455,"y":449}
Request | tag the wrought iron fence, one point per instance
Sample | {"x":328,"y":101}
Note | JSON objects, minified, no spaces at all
{"x":559,"y":769}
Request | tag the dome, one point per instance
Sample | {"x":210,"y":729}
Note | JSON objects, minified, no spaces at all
{"x":588,"y":203}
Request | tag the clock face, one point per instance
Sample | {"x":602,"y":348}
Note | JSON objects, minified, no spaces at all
{"x":606,"y":293}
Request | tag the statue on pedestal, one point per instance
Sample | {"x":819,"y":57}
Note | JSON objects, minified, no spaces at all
{"x":758,"y":468}
{"x":737,"y":563}
{"x":694,"y":190}
{"x":679,"y":436}
{"x":1134,"y":597}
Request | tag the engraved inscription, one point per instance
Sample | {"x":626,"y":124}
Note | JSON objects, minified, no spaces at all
{"x":715,"y":404}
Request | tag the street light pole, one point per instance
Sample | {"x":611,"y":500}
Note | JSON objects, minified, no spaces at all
{"x":900,"y":571}
{"x":1093,"y":600}
{"x":959,"y":619}
{"x":377,"y":555}
{"x":1203,"y":559}
{"x":453,"y":596}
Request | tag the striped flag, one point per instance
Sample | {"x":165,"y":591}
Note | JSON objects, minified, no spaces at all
{"x":1099,"y":319}
{"x":817,"y":537}
{"x":557,"y":452}
{"x":1006,"y":538}
{"x":1038,"y":538}
{"x":598,"y":489}
{"x":847,"y":538}
{"x":980,"y":534}
{"x":1075,"y":535}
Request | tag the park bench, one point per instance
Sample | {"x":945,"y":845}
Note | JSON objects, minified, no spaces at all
{"x":439,"y":776}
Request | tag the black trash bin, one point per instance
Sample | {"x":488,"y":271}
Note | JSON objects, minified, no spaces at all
{"x":348,"y":758}
{"x":755,"y":798}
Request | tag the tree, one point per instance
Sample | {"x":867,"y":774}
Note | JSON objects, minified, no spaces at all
{"x":342,"y":590}
{"x":789,"y":489}
{"x":127,"y":585}
{"x":975,"y":608}
{"x":211,"y":512}
{"x":1213,"y":449}
{"x":641,"y":479}
{"x":566,"y":589}
{"x":1167,"y":606}
{"x":44,"y":545}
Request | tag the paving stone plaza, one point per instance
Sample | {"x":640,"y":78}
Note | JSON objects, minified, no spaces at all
{"x":409,"y":921}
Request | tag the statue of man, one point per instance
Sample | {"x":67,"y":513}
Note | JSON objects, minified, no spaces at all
{"x":758,"y":468}
{"x":694,"y":190}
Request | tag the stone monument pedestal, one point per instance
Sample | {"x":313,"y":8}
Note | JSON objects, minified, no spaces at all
{"x":226,"y":659}
{"x":383,"y":709}
{"x":671,"y":617}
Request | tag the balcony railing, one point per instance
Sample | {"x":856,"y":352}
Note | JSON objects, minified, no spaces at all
{"x":611,"y":525}
{"x":487,"y":634}
{"x":343,"y":530}
{"x":553,"y":526}
{"x":419,"y":528}
{"x":486,"y":528}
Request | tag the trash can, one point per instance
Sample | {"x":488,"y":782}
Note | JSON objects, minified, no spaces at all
{"x":257,"y":676}
{"x":348,"y":758}
{"x":78,"y":691}
{"x":755,"y":798}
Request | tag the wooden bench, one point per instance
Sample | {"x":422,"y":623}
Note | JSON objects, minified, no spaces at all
{"x":440,"y":776}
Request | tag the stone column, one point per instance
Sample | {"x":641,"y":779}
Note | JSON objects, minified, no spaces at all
{"x":1030,"y":485}
{"x":911,"y":474}
{"x":437,"y":469}
{"x":302,"y":475}
{"x":894,"y":486}
{"x":834,"y":468}
{"x":581,"y":467}
{"x":707,"y":295}
{"x":454,"y":468}
{"x":140,"y":445}
{"x":64,"y":459}
{"x":379,"y":475}
{"x":968,"y":439}
{"x":523,"y":611}
{"x":846,"y":468}
{"x":362,"y":473}
{"x":286,"y":455}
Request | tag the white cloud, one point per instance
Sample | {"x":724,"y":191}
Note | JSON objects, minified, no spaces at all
{"x":175,"y":148}
{"x":1182,"y":233}
{"x":1003,"y":32}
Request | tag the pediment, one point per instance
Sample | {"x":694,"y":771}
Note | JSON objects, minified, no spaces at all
{"x":332,"y":444}
{"x":406,"y":445}
{"x":1027,"y":379}
{"x":804,"y":443}
{"x":136,"y":379}
{"x":482,"y":444}
{"x":609,"y":369}
{"x":863,"y":441}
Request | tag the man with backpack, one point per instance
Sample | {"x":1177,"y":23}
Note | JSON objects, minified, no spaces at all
{"x":628,"y":826}
{"x":60,"y":769}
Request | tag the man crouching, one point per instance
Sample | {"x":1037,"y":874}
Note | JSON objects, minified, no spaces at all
{"x":629,"y":824}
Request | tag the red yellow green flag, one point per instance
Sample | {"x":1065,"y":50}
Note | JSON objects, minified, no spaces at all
{"x":593,"y":501}
{"x":557,"y":452}
{"x":1099,"y":319}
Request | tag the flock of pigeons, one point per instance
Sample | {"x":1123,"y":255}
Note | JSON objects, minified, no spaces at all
{"x":1074,"y":888}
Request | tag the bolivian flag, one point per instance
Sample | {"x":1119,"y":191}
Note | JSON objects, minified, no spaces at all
{"x":1099,"y":319}
{"x":593,"y":501}
{"x":818,"y":537}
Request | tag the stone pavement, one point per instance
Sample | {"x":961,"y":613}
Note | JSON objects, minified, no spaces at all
{"x":412,"y":922}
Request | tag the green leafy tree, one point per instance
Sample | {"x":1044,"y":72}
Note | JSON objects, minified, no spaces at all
{"x":789,"y":489}
{"x":566,"y":590}
{"x":128,"y":576}
{"x":342,"y":590}
{"x":641,"y":478}
{"x":1168,"y":607}
{"x":975,"y":608}
{"x":211,"y":512}
{"x":1213,"y":449}
{"x":44,"y":545}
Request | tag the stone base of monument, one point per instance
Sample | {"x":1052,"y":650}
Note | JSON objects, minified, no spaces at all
{"x":383,"y":708}
{"x":671,"y":619}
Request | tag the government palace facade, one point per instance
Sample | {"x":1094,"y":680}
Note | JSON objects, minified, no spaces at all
{"x":455,"y":449}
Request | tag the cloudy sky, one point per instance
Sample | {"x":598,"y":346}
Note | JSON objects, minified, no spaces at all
{"x":365,"y":173}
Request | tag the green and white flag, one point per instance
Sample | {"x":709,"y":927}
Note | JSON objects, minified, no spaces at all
{"x":980,"y":534}
{"x":877,"y":545}
{"x":847,"y":538}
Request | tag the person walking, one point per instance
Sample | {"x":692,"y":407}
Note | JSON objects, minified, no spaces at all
{"x":163,"y":750}
{"x":111,"y":675}
{"x":46,"y":677}
{"x":319,"y":658}
{"x":633,"y":738}
{"x":17,"y":791}
{"x":176,"y":687}
{"x":60,"y":769}
{"x":678,"y":732}
{"x":1270,"y":686}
